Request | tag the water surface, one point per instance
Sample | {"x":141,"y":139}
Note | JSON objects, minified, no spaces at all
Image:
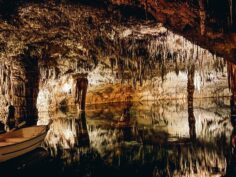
{"x":163,"y":138}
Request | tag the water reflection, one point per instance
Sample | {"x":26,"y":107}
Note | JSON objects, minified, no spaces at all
{"x":67,"y":133}
{"x":144,"y":139}
{"x":190,"y":89}
{"x":231,"y":155}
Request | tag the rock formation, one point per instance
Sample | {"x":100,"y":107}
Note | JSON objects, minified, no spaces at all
{"x":42,"y":44}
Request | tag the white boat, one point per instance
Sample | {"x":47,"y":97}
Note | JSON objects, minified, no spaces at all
{"x":19,"y":142}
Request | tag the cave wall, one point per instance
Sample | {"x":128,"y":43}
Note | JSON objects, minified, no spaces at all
{"x":210,"y":80}
{"x":134,"y":53}
{"x":150,"y":64}
{"x":19,"y":87}
{"x":210,"y":23}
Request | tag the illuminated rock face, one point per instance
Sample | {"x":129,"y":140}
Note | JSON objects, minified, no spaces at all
{"x":165,"y":79}
{"x":19,"y":87}
{"x":209,"y":23}
{"x":144,"y":56}
{"x":126,"y":59}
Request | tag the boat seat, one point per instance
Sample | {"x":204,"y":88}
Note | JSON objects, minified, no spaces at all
{"x":16,"y":140}
{"x":5,"y":143}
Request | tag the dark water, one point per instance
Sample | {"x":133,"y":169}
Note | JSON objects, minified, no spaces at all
{"x":135,"y":139}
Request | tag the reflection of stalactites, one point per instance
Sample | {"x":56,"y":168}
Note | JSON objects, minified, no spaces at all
{"x":231,"y":154}
{"x":231,"y":68}
{"x":190,"y":89}
{"x":82,"y":131}
{"x":233,"y":111}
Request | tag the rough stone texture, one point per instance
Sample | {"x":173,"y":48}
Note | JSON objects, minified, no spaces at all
{"x":210,"y":80}
{"x":211,"y":24}
{"x":19,"y":86}
{"x":74,"y":38}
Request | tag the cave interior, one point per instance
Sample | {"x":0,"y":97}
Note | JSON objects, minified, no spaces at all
{"x":129,"y":87}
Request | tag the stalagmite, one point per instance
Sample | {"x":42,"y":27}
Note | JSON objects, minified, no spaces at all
{"x":81,"y":85}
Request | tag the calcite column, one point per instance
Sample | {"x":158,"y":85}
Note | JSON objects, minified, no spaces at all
{"x":19,"y":79}
{"x":81,"y":86}
{"x":190,"y":90}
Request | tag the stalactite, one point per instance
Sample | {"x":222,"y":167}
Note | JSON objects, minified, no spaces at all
{"x":202,"y":13}
{"x":160,"y":49}
{"x":231,"y":12}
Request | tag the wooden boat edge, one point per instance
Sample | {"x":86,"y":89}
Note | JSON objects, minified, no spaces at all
{"x":30,"y":139}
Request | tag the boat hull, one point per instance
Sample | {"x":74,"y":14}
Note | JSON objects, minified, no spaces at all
{"x":21,"y":148}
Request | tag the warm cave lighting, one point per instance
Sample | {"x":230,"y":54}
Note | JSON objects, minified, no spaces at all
{"x":118,"y":88}
{"x":66,"y":88}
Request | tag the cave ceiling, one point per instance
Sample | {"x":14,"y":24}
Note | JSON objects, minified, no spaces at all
{"x":76,"y":37}
{"x":210,"y":24}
